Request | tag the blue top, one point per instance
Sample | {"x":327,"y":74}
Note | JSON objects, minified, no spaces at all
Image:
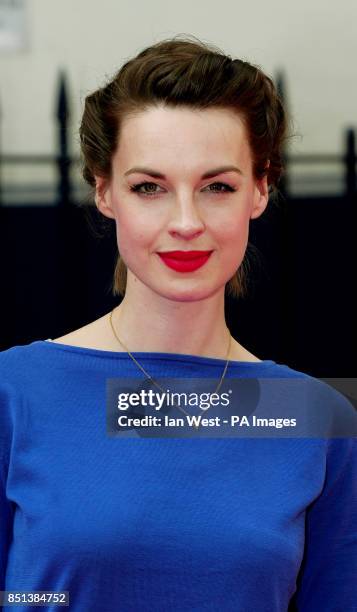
{"x":161,"y":525}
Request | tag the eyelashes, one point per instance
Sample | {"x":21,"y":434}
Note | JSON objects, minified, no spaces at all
{"x":137,"y":188}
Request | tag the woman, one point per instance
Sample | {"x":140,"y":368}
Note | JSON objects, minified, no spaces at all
{"x":182,"y":149}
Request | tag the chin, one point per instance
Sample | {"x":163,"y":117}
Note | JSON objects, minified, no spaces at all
{"x":190,"y":294}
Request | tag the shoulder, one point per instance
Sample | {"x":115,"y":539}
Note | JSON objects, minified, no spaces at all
{"x":15,"y":378}
{"x":26,"y":375}
{"x":327,"y":406}
{"x":14,"y":358}
{"x":332,"y":399}
{"x":28,"y":366}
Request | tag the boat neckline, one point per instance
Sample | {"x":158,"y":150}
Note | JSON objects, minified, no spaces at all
{"x":149,"y":355}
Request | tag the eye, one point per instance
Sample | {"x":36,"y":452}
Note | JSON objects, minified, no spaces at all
{"x":226,"y":187}
{"x":137,"y":188}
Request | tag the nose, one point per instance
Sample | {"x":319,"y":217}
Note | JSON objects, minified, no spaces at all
{"x":186,"y":220}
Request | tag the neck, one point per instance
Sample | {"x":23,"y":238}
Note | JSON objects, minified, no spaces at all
{"x":151,"y":323}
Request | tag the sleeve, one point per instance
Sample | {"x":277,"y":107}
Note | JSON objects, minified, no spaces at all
{"x":327,"y":578}
{"x":6,"y":507}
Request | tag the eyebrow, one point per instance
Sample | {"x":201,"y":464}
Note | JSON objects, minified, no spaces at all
{"x":208,"y":174}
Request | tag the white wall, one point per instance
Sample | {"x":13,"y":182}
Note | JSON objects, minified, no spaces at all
{"x":313,"y":41}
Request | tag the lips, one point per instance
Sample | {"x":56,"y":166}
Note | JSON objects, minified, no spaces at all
{"x":185,"y":255}
{"x":185,"y":261}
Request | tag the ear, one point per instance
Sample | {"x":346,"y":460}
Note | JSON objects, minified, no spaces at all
{"x":261,"y":195}
{"x":103,"y":197}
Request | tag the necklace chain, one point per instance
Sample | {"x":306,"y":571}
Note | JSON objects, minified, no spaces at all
{"x":154,"y":381}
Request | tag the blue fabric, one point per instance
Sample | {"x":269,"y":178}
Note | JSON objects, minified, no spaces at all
{"x":160,"y":525}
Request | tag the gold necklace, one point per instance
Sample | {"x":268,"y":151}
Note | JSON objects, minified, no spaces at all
{"x":154,"y":381}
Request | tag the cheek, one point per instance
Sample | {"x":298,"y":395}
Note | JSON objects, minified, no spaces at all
{"x":133,"y":234}
{"x":233,"y":230}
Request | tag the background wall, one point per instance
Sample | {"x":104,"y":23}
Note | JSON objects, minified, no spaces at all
{"x":314,"y":42}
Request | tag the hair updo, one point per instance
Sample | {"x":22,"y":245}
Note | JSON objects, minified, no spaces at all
{"x":190,"y":73}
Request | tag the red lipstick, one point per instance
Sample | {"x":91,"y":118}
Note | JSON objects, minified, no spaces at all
{"x":185,"y":261}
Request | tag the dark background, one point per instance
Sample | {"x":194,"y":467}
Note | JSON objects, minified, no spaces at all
{"x":57,"y":273}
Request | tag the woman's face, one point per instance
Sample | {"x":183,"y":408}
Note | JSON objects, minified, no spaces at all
{"x":182,"y":210}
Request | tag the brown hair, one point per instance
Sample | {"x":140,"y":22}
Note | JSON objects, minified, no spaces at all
{"x":184,"y":72}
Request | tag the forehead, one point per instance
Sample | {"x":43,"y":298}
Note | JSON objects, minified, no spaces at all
{"x":183,"y":135}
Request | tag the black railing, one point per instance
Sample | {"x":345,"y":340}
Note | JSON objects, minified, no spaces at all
{"x":64,"y":161}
